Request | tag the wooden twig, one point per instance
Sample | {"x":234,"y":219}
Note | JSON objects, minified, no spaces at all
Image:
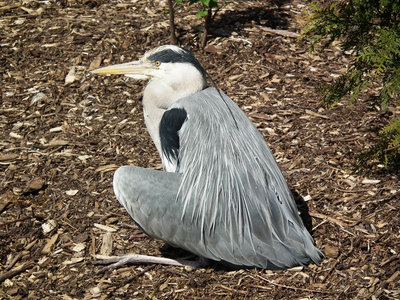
{"x":174,"y":40}
{"x":92,"y":248}
{"x":14,"y":221}
{"x":9,"y":7}
{"x":293,"y":287}
{"x":392,"y":258}
{"x":351,"y":191}
{"x":232,"y":290}
{"x":328,"y":218}
{"x":16,"y":271}
{"x":391,"y":148}
{"x":341,"y":224}
{"x":148,"y":268}
{"x":340,"y":258}
{"x":310,"y":112}
{"x":4,"y":205}
{"x":15,"y":259}
{"x":280,"y":32}
{"x":207,"y":25}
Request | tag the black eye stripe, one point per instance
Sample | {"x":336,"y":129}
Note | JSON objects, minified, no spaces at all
{"x":171,"y":56}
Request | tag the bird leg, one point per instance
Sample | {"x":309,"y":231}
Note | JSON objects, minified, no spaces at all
{"x":138,"y":236}
{"x":130,"y":226}
{"x":123,"y":260}
{"x":133,"y":227}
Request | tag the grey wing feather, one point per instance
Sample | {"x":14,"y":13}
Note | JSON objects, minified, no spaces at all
{"x":230,"y":202}
{"x":233,"y":189}
{"x":149,"y":198}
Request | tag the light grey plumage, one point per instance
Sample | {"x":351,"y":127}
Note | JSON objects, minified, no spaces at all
{"x":224,"y":197}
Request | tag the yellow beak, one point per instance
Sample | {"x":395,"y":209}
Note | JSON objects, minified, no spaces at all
{"x":135,"y":69}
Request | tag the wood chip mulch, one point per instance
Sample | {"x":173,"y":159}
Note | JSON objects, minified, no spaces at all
{"x":64,"y":131}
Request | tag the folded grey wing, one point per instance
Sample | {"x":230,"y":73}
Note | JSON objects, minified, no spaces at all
{"x":149,"y":196}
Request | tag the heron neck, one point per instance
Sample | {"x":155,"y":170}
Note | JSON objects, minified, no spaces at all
{"x":157,"y":98}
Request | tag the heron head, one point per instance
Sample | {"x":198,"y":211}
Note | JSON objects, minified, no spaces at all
{"x":173,"y":65}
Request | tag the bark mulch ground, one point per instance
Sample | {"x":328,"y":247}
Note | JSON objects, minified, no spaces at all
{"x":64,"y":131}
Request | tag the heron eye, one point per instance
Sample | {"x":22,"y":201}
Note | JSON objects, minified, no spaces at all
{"x":157,"y":63}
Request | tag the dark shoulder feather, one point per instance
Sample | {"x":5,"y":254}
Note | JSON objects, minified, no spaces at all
{"x":170,"y":125}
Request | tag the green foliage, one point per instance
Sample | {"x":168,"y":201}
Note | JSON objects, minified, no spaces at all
{"x":386,"y":150}
{"x":207,"y":12}
{"x":207,"y":6}
{"x":370,"y":31}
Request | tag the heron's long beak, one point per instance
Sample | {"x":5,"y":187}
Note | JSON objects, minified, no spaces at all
{"x":135,"y":69}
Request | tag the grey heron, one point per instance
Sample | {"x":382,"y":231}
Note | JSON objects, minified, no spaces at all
{"x":223,"y":196}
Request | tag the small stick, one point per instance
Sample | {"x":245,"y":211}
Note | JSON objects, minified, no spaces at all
{"x":138,"y":236}
{"x":283,"y":33}
{"x":16,"y":258}
{"x":4,"y":205}
{"x":174,"y":40}
{"x":16,"y":271}
{"x":333,"y":220}
{"x":130,"y":226}
{"x":14,"y":221}
{"x":148,"y":268}
{"x":293,"y":287}
{"x":9,"y":7}
{"x":340,"y":258}
{"x":328,"y":218}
